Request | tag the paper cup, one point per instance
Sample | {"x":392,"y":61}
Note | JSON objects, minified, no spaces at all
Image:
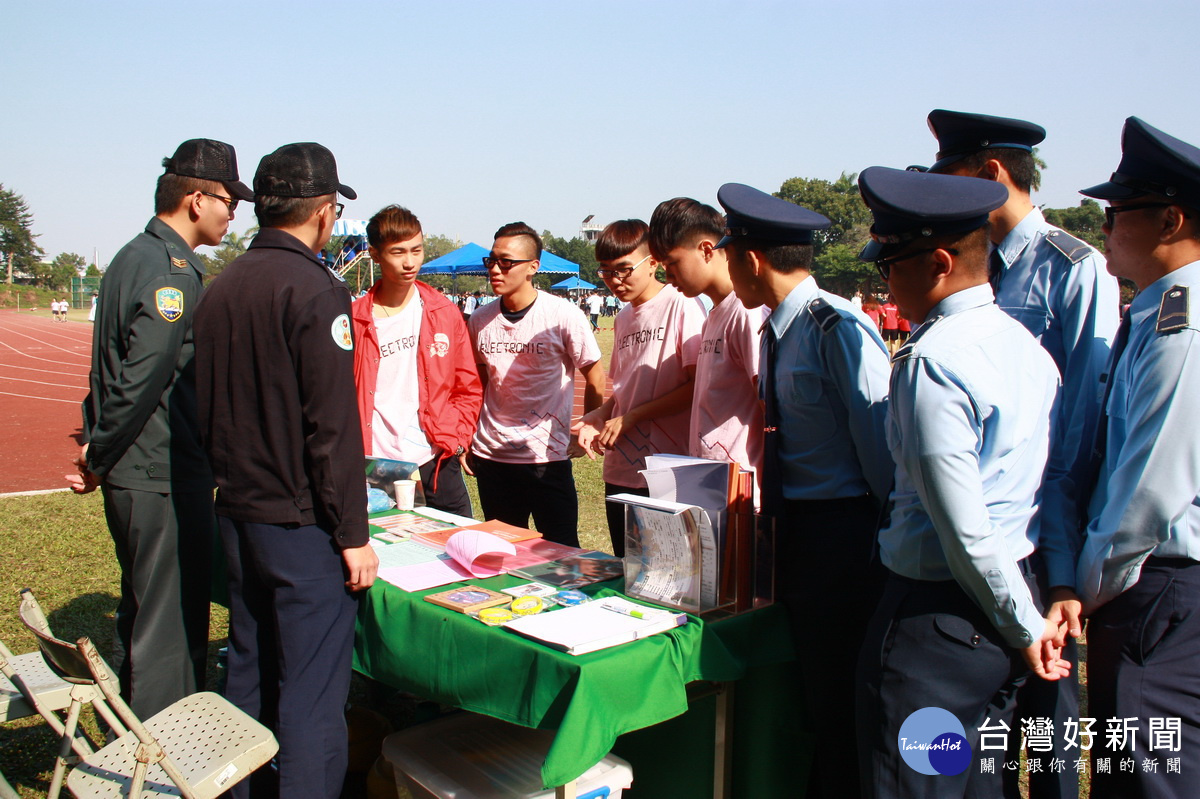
{"x":406,"y":494}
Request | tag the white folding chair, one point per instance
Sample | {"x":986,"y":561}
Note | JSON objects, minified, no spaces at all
{"x":199,"y":747}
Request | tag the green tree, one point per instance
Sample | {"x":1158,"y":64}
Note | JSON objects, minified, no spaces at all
{"x":576,"y":250}
{"x":1083,"y":221}
{"x":233,"y":245}
{"x":57,"y":274}
{"x":92,"y":271}
{"x":19,"y":251}
{"x":437,"y":245}
{"x":835,"y":251}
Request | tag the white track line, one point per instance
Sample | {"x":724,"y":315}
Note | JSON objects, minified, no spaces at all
{"x":41,"y":383}
{"x":25,"y":354}
{"x":83,"y":374}
{"x":48,"y":344}
{"x":47,"y":399}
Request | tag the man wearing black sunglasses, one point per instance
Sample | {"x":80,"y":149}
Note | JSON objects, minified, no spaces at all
{"x":528,"y":345}
{"x":142,"y":443}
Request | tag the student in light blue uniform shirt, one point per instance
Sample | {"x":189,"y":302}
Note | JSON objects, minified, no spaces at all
{"x":972,"y":399}
{"x":1139,"y":572}
{"x":823,"y":376}
{"x":1057,"y":287}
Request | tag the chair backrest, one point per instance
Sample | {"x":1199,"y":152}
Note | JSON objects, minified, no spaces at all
{"x":63,"y":658}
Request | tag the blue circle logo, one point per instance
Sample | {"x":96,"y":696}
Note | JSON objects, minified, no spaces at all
{"x":932,"y":741}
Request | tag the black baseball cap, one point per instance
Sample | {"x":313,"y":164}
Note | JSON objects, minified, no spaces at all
{"x":208,"y":159}
{"x":305,"y":169}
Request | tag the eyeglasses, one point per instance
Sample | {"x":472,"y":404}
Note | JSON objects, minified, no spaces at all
{"x":504,"y":264}
{"x":621,"y":273}
{"x":884,"y":265}
{"x":337,"y":210}
{"x":1110,"y":213}
{"x":229,"y":201}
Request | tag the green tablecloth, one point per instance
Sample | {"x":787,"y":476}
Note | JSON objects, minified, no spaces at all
{"x":590,"y":699}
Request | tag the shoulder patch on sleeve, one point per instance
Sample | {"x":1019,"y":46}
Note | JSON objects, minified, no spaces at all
{"x":1172,"y":311}
{"x":825,"y":315}
{"x":169,"y":302}
{"x":1075,"y":249}
{"x":340,"y":330}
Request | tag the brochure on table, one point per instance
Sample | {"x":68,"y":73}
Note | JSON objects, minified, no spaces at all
{"x":599,"y":624}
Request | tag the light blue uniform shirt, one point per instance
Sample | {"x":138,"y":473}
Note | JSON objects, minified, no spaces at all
{"x":832,"y":391}
{"x":1146,"y":500}
{"x":969,"y":426}
{"x":1071,"y":308}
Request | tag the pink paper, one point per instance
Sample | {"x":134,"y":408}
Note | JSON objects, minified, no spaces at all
{"x":479,"y":552}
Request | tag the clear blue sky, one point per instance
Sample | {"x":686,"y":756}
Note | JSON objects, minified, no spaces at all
{"x":475,"y":114}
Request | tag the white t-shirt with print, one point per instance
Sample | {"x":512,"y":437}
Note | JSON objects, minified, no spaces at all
{"x":653,"y":345}
{"x":395,"y":428}
{"x":727,"y":415}
{"x":530,"y":366}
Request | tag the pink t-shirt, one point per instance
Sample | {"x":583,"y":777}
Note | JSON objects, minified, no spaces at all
{"x":395,"y":429}
{"x":653,"y":344}
{"x":727,"y":416}
{"x":530,"y":367}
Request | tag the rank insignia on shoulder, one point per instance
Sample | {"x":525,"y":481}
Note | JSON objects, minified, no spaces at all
{"x":1173,"y":310}
{"x":169,"y":303}
{"x":825,"y":314}
{"x":181,"y":263}
{"x":1075,"y":249}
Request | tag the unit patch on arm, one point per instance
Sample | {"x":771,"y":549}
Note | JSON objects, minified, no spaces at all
{"x":169,"y":303}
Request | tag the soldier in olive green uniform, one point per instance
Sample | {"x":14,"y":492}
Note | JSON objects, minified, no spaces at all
{"x":142,"y":445}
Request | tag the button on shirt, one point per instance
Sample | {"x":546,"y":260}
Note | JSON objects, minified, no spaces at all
{"x":832,"y":389}
{"x":969,"y":425}
{"x":1146,"y":501}
{"x":1072,"y":310}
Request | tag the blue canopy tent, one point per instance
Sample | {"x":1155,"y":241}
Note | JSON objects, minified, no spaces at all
{"x":573,"y":283}
{"x":468,"y":260}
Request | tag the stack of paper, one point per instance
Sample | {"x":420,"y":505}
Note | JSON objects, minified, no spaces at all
{"x":595,"y":625}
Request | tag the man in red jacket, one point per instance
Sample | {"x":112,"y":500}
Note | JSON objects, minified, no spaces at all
{"x":418,"y":390}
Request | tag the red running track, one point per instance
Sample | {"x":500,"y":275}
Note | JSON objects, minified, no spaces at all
{"x":43,"y":379}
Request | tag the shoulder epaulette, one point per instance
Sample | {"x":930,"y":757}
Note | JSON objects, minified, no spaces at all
{"x":907,"y":349}
{"x":1172,"y":311}
{"x":333,"y":272}
{"x":1075,"y":249}
{"x":825,"y":314}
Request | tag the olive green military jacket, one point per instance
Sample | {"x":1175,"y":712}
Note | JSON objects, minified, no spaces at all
{"x":139,"y":419}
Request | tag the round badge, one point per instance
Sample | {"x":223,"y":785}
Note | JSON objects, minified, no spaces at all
{"x":340,"y":330}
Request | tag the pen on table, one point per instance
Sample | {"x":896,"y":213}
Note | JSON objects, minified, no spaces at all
{"x":637,"y":614}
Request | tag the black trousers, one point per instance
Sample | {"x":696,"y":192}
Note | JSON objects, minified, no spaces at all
{"x":291,"y":635}
{"x":451,"y":493}
{"x":1144,"y":664}
{"x":827,"y":579}
{"x":929,"y":645}
{"x":512,"y":492}
{"x":164,"y":545}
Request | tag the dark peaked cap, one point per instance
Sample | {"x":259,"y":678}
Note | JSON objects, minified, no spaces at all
{"x":208,"y":159}
{"x":304,"y":169}
{"x":750,"y":213}
{"x":913,"y":205}
{"x":960,"y":134}
{"x":1152,"y":162}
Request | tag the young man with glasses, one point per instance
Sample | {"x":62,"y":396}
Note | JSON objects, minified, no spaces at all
{"x":826,"y":467}
{"x":726,"y":419}
{"x":279,"y":417}
{"x":655,"y":342}
{"x":418,"y":390}
{"x":960,"y":624}
{"x":528,"y":346}
{"x":141,"y":431}
{"x":1139,"y":571}
{"x":1056,"y":286}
